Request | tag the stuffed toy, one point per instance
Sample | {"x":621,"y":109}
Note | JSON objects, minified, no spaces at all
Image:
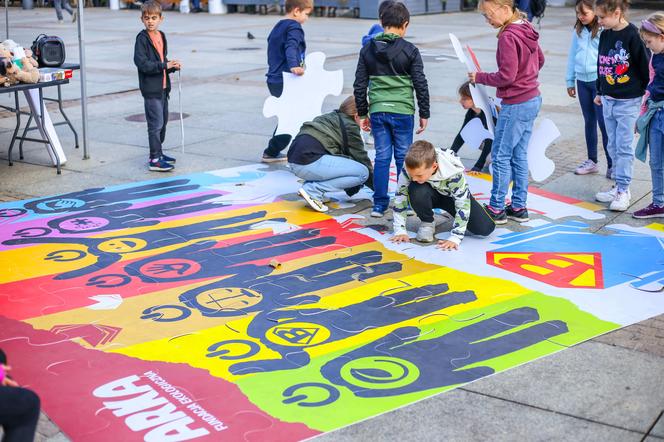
{"x":23,"y":67}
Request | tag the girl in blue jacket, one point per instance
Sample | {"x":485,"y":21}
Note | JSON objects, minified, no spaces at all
{"x":582,"y":67}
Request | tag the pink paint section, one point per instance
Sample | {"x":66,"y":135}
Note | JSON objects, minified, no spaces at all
{"x":74,"y":383}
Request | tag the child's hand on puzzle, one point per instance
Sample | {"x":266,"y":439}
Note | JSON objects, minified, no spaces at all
{"x":571,"y":92}
{"x":471,"y":77}
{"x":444,"y":244}
{"x":297,"y":70}
{"x":423,"y":125}
{"x":400,"y":238}
{"x":365,"y":124}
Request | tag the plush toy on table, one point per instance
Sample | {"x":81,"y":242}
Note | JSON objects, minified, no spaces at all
{"x":21,"y":68}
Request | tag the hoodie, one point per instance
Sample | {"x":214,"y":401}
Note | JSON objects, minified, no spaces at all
{"x":150,"y":67}
{"x":582,"y":58}
{"x":391,"y":68}
{"x":285,"y":49}
{"x":519,"y":60}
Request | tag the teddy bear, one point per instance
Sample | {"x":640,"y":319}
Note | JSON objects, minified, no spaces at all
{"x":23,"y":67}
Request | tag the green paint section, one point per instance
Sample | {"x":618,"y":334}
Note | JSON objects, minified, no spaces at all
{"x":266,"y":389}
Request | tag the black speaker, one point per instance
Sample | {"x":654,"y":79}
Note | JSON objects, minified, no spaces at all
{"x":49,"y":51}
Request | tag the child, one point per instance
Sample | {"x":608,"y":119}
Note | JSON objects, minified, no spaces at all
{"x":395,"y":68}
{"x":651,"y":125}
{"x":434,"y":178}
{"x":582,"y":67}
{"x":622,"y":69}
{"x":519,"y":59}
{"x":151,"y":59}
{"x":328,"y":153}
{"x":376,"y":28}
{"x":466,"y":101}
{"x":285,"y":53}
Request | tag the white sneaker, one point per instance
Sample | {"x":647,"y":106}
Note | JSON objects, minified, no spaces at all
{"x":315,"y":204}
{"x":587,"y":167}
{"x":425,"y":232}
{"x":621,"y":203}
{"x":608,"y":196}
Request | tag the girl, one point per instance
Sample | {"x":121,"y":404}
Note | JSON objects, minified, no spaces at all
{"x":622,"y":68}
{"x":651,"y":125}
{"x":582,"y":67}
{"x":519,"y":59}
{"x":328,"y":154}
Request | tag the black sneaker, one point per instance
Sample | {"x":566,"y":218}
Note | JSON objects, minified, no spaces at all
{"x":518,"y":215}
{"x":268,"y":159}
{"x":167,"y":158}
{"x":497,"y":217}
{"x":159,"y":166}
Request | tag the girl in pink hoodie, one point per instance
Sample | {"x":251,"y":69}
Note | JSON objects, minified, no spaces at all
{"x":519,"y":59}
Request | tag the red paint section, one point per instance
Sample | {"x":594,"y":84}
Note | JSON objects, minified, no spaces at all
{"x":144,"y":400}
{"x":553,"y":196}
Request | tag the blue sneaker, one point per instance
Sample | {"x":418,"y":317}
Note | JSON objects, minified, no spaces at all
{"x":377,"y":212}
{"x":168,"y":159}
{"x":159,"y":166}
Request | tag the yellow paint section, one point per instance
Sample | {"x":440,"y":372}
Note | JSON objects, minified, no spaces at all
{"x":656,"y":226}
{"x":135,"y":330}
{"x":31,"y":261}
{"x":590,"y":206}
{"x":198,"y":348}
{"x":581,"y":257}
{"x":586,"y":279}
{"x":533,"y":268}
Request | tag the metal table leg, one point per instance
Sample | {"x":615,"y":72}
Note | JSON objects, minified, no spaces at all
{"x":17,"y":111}
{"x":62,"y":112}
{"x":23,"y":137}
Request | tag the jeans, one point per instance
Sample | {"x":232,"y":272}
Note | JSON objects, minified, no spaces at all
{"x":278,"y":142}
{"x":59,"y":5}
{"x":393,"y":133}
{"x":592,"y":115}
{"x":510,"y":152}
{"x":19,"y":413}
{"x":656,"y":143}
{"x":330,"y":173}
{"x":423,"y":198}
{"x":620,"y":117}
{"x":156,"y":114}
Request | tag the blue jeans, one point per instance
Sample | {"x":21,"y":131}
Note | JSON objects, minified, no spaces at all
{"x":156,"y":115}
{"x":393,"y":133}
{"x":592,"y":115}
{"x":60,"y":5}
{"x":510,"y":152}
{"x":620,"y":117}
{"x":330,"y":173}
{"x":656,"y":143}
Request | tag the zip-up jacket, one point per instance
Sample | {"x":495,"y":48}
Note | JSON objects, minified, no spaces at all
{"x":285,"y":49}
{"x":150,"y":67}
{"x":582,"y":58}
{"x":391,"y":68}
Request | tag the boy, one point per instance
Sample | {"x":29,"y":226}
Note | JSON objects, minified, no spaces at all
{"x":285,"y":53}
{"x":150,"y":57}
{"x":395,"y":68}
{"x":434,"y":178}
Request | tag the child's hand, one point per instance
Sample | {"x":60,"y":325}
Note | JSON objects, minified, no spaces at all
{"x":473,"y":172}
{"x":571,"y":92}
{"x":297,"y":70}
{"x":400,"y":238}
{"x":423,"y":125}
{"x":598,"y":100}
{"x":471,"y":77}
{"x":444,"y":244}
{"x":173,"y":64}
{"x":365,"y":124}
{"x":7,"y":381}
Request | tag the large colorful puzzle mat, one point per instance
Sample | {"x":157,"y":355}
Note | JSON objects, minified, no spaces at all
{"x":210,"y":307}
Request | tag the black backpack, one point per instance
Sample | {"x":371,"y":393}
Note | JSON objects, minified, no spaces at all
{"x":537,"y":8}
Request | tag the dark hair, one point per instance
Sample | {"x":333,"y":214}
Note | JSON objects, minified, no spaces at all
{"x":594,"y":25}
{"x":420,"y":153}
{"x":394,"y":15}
{"x":383,"y":5}
{"x":298,"y":4}
{"x":150,"y":7}
{"x":464,"y":90}
{"x":612,"y":5}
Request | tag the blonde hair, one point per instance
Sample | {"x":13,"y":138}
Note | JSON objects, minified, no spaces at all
{"x":610,"y":6}
{"x":420,"y":153}
{"x":348,"y":106}
{"x":656,"y":19}
{"x":516,"y":13}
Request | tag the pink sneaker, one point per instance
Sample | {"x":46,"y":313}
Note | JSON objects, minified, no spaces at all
{"x":652,"y":211}
{"x":587,"y":167}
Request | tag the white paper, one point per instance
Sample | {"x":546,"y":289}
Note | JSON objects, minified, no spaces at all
{"x":543,"y":135}
{"x":474,"y":133}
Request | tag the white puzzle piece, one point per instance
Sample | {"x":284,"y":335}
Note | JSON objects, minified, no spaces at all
{"x":474,"y":133}
{"x":303,"y":96}
{"x":544,"y":133}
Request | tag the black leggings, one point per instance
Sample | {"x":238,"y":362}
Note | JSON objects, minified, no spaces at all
{"x":424,"y":198}
{"x":19,"y":413}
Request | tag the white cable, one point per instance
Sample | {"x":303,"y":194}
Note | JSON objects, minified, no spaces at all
{"x":180,"y":102}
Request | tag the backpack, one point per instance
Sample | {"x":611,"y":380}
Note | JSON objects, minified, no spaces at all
{"x":537,"y":8}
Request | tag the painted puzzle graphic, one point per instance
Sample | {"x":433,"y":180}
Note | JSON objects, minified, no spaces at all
{"x":206,"y":307}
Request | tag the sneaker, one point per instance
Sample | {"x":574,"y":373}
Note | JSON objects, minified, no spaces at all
{"x":425,"y":232}
{"x":621,"y":203}
{"x":159,"y":166}
{"x":377,"y":212}
{"x":277,"y":159}
{"x":587,"y":167}
{"x":652,"y":211}
{"x":498,"y":217}
{"x":608,"y":196}
{"x":609,"y":173}
{"x":518,"y":215}
{"x":60,"y":21}
{"x":315,"y":204}
{"x":167,"y":158}
{"x":73,"y":16}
